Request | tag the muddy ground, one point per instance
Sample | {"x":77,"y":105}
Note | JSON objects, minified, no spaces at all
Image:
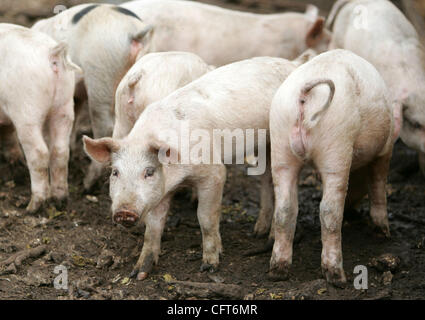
{"x":99,"y":255}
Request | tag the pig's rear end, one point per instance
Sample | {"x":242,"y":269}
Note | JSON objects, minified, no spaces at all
{"x":334,"y":113}
{"x":36,"y":94}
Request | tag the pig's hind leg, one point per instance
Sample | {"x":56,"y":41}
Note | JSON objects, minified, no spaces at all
{"x":285,"y":177}
{"x":377,"y":192}
{"x":37,"y":157}
{"x":335,"y":172}
{"x":210,"y":193}
{"x":265,"y":217}
{"x":60,"y":124}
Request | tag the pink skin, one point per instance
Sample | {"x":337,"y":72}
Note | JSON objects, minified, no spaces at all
{"x":329,"y":132}
{"x":284,"y":35}
{"x":105,"y":44}
{"x":47,"y":104}
{"x":397,"y":53}
{"x":153,"y":77}
{"x":221,"y":99}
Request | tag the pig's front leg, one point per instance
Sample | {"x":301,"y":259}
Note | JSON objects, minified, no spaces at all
{"x":422,"y":162}
{"x":285,"y":219}
{"x":37,"y":157}
{"x":377,"y":193}
{"x":60,"y":127}
{"x":265,"y":217}
{"x":335,"y":185}
{"x":155,"y":222}
{"x":210,"y":193}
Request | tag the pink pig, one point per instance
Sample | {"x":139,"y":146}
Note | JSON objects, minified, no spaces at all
{"x":37,"y":87}
{"x":335,"y":113}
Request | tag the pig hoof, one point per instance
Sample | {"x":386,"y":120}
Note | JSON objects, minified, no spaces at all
{"x":335,"y":277}
{"x":60,"y":204}
{"x":279,"y":272}
{"x":260,"y":231}
{"x":208,"y":267}
{"x":139,"y":275}
{"x":383,"y":228}
{"x":34,"y":206}
{"x":386,"y":231}
{"x":142,"y":276}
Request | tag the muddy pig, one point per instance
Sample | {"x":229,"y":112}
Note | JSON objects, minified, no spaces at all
{"x":152,"y":78}
{"x":104,"y":40}
{"x":335,"y":113}
{"x":233,"y":98}
{"x":377,"y":31}
{"x":36,"y":93}
{"x":221,"y":36}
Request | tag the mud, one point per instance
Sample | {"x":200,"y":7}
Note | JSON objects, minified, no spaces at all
{"x":99,"y":255}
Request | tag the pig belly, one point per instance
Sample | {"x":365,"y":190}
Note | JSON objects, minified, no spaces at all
{"x":368,"y":147}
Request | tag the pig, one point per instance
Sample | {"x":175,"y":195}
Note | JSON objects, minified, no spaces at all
{"x":221,"y":36}
{"x":152,"y":78}
{"x":334,"y":113}
{"x":37,"y":85}
{"x":104,"y":40}
{"x":234,"y":97}
{"x":377,"y":31}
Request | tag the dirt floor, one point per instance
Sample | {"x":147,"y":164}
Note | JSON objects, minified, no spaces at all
{"x":99,"y":255}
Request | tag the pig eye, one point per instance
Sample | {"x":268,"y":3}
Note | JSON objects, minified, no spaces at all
{"x":417,"y":126}
{"x":149,"y":172}
{"x":115,"y":172}
{"x":413,"y":124}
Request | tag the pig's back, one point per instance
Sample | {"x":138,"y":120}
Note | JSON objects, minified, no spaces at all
{"x":355,"y":78}
{"x":375,"y":30}
{"x":359,"y":109}
{"x":235,"y":96}
{"x":164,"y":72}
{"x":24,"y":49}
{"x":214,"y":33}
{"x":58,"y":26}
{"x":25,"y":63}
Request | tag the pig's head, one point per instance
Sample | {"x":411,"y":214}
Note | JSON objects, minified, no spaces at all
{"x":413,"y":129}
{"x":137,"y":182}
{"x":317,"y":37}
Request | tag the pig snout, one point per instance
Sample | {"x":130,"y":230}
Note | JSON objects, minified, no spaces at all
{"x":125,"y":217}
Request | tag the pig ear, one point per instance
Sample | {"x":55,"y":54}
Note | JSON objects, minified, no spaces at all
{"x":100,"y":150}
{"x":61,"y":53}
{"x":166,"y":153}
{"x":141,"y":41}
{"x":144,"y":35}
{"x":315,"y":31}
